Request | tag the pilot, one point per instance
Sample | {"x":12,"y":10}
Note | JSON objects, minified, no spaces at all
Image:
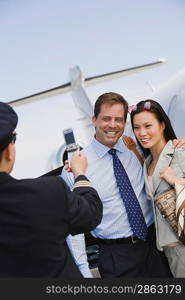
{"x":36,"y":215}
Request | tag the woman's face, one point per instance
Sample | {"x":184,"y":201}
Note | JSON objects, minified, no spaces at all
{"x":148,"y":130}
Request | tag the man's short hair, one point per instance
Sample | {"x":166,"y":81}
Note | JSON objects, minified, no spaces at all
{"x":110,"y":98}
{"x":8,"y":123}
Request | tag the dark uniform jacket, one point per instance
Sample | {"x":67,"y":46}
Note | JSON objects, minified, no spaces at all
{"x":36,"y":216}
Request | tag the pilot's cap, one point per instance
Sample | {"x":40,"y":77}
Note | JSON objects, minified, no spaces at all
{"x":8,"y":123}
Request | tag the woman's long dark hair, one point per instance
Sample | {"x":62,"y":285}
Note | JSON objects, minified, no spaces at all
{"x":161,"y":116}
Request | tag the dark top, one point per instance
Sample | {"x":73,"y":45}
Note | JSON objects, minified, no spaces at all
{"x":36,"y":216}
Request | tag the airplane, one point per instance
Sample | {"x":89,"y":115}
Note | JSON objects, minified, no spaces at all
{"x":43,"y":116}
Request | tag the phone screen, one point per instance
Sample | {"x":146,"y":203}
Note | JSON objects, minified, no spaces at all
{"x":69,"y":138}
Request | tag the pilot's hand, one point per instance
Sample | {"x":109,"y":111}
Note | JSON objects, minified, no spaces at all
{"x":179,"y":143}
{"x":168,"y":175}
{"x":66,"y":166}
{"x":78,"y":164}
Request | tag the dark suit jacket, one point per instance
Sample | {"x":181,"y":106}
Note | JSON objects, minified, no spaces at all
{"x":36,"y":215}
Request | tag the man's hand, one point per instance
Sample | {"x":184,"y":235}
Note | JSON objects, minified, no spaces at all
{"x":179,"y":143}
{"x":168,"y":175}
{"x":66,"y":166}
{"x":78,"y":164}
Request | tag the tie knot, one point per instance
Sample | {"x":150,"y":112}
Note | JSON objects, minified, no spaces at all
{"x":112,"y":152}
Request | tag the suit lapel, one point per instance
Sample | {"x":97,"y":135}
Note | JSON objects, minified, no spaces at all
{"x":163,"y":162}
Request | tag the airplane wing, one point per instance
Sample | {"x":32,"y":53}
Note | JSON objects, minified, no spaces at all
{"x":124,"y":72}
{"x":87,"y":81}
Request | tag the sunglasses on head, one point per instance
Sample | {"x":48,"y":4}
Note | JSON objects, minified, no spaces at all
{"x":147,"y":105}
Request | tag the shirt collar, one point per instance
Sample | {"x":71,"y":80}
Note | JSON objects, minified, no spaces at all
{"x":101,"y":149}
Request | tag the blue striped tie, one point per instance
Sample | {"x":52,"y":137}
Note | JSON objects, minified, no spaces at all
{"x":133,"y":209}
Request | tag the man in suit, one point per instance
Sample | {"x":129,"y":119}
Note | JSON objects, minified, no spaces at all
{"x":36,"y":215}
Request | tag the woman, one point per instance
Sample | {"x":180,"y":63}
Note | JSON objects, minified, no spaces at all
{"x":154,"y":134}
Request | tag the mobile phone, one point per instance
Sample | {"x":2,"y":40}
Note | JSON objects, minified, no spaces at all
{"x":71,"y":145}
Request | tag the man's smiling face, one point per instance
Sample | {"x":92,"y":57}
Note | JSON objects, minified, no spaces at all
{"x":109,"y":124}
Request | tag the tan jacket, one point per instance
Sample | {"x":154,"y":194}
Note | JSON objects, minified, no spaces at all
{"x":164,"y":233}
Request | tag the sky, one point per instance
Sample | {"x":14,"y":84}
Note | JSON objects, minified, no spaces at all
{"x":42,"y":39}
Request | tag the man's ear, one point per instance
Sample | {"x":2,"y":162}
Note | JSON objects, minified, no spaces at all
{"x":93,"y":119}
{"x":8,"y":152}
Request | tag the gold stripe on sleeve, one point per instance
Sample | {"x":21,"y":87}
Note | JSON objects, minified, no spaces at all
{"x":82,"y":183}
